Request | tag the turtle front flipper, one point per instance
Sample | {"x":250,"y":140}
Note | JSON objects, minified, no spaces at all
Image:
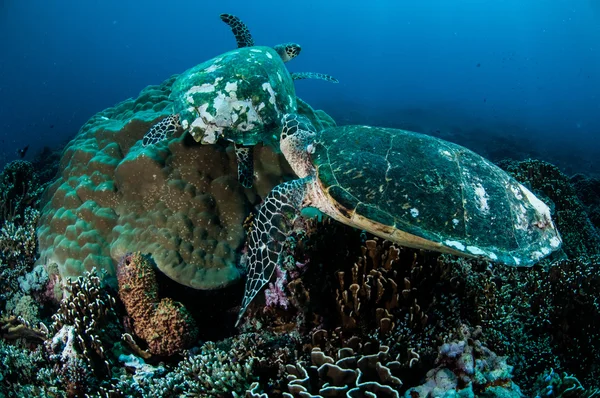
{"x":162,"y":130}
{"x":314,"y":75}
{"x":245,"y":164}
{"x":271,"y":226}
{"x":239,"y":29}
{"x":288,"y":51}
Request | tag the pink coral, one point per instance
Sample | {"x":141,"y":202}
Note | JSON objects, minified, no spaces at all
{"x":275,"y":294}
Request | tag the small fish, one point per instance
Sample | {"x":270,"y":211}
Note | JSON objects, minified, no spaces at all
{"x":23,"y":151}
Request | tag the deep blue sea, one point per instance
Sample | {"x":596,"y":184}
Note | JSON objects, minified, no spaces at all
{"x":506,"y":78}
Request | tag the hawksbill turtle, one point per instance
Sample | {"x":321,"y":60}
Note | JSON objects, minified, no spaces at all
{"x":240,"y":96}
{"x":287,"y":51}
{"x":412,"y":189}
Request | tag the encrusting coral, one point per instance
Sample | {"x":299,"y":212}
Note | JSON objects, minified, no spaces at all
{"x":165,"y":325}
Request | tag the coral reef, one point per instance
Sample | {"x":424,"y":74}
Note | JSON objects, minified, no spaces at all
{"x":19,"y":190}
{"x":353,"y":373}
{"x":178,"y":201}
{"x":84,"y":319}
{"x":588,"y":191}
{"x":165,"y":325}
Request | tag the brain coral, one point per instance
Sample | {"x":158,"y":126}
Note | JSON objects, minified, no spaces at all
{"x":178,"y":201}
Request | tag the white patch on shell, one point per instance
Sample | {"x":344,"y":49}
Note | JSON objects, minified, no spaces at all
{"x":455,"y":244}
{"x":279,"y":76}
{"x":475,"y":250}
{"x":493,"y":256}
{"x":455,"y":221}
{"x":291,"y":101}
{"x":231,"y":86}
{"x":254,"y":50}
{"x":414,"y":212}
{"x":555,"y":241}
{"x":446,"y":154}
{"x":269,"y":56}
{"x":521,"y":216}
{"x":205,"y":88}
{"x":212,"y":68}
{"x":272,"y":100}
{"x":517,"y":260}
{"x":537,"y":204}
{"x":516,"y":191}
{"x":536,"y":255}
{"x":260,"y":107}
{"x":482,"y":198}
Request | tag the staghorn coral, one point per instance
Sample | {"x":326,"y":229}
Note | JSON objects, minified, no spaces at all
{"x":165,"y":325}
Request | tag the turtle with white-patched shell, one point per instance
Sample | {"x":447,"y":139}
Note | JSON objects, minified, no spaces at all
{"x":240,"y":96}
{"x":412,"y":189}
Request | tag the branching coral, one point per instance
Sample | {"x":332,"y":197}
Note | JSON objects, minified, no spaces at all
{"x":19,"y":190}
{"x":82,"y":320}
{"x":18,"y":252}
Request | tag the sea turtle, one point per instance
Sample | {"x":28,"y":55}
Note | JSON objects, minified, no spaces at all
{"x":287,"y":51}
{"x":415,"y":190}
{"x":240,"y":96}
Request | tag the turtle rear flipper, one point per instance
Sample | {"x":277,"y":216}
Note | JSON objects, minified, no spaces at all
{"x":245,"y":164}
{"x":288,"y":51}
{"x":239,"y":29}
{"x":162,"y":130}
{"x":271,"y":226}
{"x":314,"y":75}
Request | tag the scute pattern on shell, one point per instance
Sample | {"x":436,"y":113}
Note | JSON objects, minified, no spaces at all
{"x":240,"y":95}
{"x":435,"y":190}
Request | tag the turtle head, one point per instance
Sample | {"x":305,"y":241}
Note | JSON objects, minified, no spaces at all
{"x":297,"y":143}
{"x":288,"y":51}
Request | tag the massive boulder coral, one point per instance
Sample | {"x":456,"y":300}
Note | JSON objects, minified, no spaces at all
{"x":179,"y":201}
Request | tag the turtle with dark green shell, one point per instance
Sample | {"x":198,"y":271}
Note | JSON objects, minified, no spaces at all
{"x":240,"y":96}
{"x":409,"y":188}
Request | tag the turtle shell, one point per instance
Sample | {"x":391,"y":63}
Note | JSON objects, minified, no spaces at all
{"x":396,"y":180}
{"x":241,"y":96}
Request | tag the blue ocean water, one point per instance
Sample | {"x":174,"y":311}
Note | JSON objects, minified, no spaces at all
{"x":507,"y":78}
